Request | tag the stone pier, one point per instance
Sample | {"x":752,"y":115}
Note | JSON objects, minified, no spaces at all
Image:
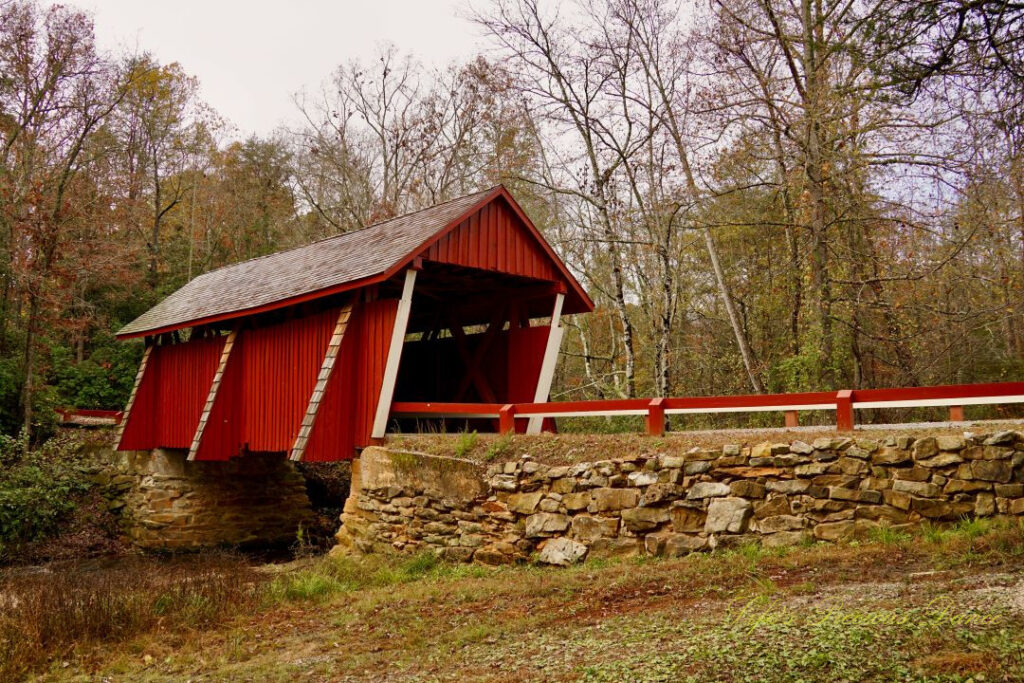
{"x":168,"y":502}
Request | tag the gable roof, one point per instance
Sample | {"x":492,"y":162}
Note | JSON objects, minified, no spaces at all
{"x":331,"y":265}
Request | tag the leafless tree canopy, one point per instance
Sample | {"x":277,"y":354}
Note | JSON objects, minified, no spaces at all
{"x":760,"y":195}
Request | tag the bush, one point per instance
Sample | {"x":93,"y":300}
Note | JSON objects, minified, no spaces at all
{"x":103,"y":380}
{"x":38,"y":488}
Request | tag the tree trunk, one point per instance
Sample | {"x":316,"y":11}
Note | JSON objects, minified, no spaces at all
{"x":730,"y":308}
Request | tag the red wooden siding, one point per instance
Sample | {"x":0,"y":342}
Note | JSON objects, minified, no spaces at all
{"x":281,"y":366}
{"x":494,"y":239}
{"x":345,"y":419}
{"x":225,"y":427}
{"x":171,"y":395}
{"x":526,"y":348}
{"x":266,"y":387}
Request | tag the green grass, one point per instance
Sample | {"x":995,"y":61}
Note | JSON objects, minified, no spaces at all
{"x":500,"y":447}
{"x":328,"y":576}
{"x":465,"y":444}
{"x":886,"y":535}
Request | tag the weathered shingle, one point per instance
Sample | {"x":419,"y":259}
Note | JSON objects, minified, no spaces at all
{"x":321,"y":265}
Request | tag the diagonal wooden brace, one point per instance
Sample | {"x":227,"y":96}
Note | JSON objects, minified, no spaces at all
{"x":131,"y":398}
{"x":211,"y":396}
{"x":315,"y":398}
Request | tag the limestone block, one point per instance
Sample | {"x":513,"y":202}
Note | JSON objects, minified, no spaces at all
{"x":890,"y":456}
{"x":770,"y":525}
{"x":775,"y":505}
{"x":844,"y":530}
{"x":789,"y":486}
{"x":728,"y":515}
{"x":576,"y":501}
{"x":615,"y":547}
{"x":686,"y":519}
{"x":608,"y":499}
{"x":644,"y":519}
{"x":561,"y":552}
{"x":992,"y":470}
{"x":545,"y":524}
{"x":941,"y":460}
{"x":707,"y":489}
{"x":588,"y":529}
{"x":747,"y":489}
{"x":949,"y":443}
{"x":925,"y":448}
{"x":783,"y":539}
{"x":917,"y":488}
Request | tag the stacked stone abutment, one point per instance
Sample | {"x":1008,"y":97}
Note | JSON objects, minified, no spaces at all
{"x":167,"y":502}
{"x":776,"y":493}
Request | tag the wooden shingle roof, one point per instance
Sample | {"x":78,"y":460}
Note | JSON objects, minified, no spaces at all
{"x":318,"y":269}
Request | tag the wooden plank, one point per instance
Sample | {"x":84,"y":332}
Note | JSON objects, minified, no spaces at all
{"x":212,"y":395}
{"x":326,"y":368}
{"x":387,"y":388}
{"x":131,"y":397}
{"x":547,"y":368}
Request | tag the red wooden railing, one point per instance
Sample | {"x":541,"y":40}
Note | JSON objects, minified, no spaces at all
{"x":844,"y":403}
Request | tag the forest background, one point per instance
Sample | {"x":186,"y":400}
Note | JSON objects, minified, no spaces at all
{"x":760,"y":195}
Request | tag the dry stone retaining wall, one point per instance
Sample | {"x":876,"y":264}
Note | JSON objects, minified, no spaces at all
{"x":168,"y":502}
{"x":780,"y":494}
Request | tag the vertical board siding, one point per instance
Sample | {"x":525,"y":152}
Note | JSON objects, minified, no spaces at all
{"x":280,"y":366}
{"x":494,"y":239}
{"x":345,"y":420}
{"x":223,"y":436}
{"x":266,"y":387}
{"x":172,"y":394}
{"x":525,"y":348}
{"x":140,"y":430}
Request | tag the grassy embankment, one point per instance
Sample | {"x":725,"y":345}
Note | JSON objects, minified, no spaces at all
{"x":945,"y":605}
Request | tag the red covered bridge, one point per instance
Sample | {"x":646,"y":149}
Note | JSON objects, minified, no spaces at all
{"x":304,"y":351}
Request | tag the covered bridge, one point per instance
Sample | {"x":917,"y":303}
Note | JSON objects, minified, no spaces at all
{"x":305,"y":350}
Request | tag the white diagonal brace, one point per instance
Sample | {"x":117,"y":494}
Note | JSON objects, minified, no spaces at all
{"x":211,"y":396}
{"x":131,"y":397}
{"x":387,"y":387}
{"x":326,"y":368}
{"x":547,"y":367}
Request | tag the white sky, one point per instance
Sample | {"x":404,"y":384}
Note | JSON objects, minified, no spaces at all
{"x":251,"y":57}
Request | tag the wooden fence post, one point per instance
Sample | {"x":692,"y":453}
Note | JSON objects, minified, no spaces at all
{"x":656,"y":417}
{"x":956,"y":413}
{"x":844,"y":411}
{"x":507,"y":419}
{"x":792,"y":418}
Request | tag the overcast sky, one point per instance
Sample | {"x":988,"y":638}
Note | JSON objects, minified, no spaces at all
{"x":251,"y":57}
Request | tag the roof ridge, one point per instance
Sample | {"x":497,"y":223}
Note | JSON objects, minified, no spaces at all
{"x":345,"y":234}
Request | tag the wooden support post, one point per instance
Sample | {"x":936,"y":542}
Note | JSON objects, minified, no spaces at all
{"x":547,"y":368}
{"x":211,"y":395}
{"x":326,"y":367}
{"x":844,"y":411}
{"x":792,"y":418}
{"x":956,"y":413}
{"x":131,"y":397}
{"x":507,"y":419}
{"x":387,"y":388}
{"x":656,"y":417}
